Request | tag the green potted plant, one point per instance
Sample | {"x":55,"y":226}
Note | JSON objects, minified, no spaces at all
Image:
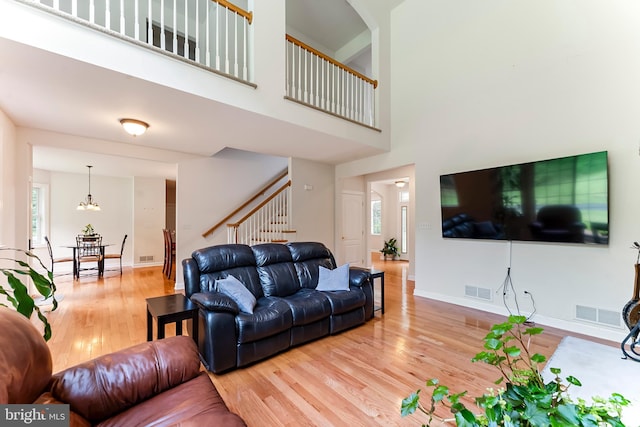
{"x":390,"y":249}
{"x":88,"y":230}
{"x":16,"y":292}
{"x":524,"y":399}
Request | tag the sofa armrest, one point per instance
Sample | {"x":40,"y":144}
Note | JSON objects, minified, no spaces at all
{"x":75,"y":419}
{"x":109,"y":384}
{"x":215,"y":301}
{"x":358,"y":277}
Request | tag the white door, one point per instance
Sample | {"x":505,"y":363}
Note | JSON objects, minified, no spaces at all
{"x":353,"y":228}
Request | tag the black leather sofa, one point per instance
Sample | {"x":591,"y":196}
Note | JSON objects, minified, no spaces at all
{"x":288,"y":311}
{"x":558,"y":223}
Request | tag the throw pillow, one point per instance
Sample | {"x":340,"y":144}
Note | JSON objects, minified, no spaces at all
{"x":235,"y":290}
{"x":333,"y":280}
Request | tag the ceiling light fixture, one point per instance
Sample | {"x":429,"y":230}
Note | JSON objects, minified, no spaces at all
{"x":88,"y":204}
{"x":134,"y":127}
{"x":400,"y":184}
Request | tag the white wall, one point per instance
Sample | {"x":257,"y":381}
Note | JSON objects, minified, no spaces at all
{"x":313,"y":205}
{"x":211,"y":188}
{"x":500,"y":82}
{"x":149,"y":217}
{"x":113,"y":221}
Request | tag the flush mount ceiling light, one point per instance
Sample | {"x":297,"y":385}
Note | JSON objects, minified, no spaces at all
{"x":134,"y":127}
{"x":88,"y":204}
{"x":400,"y":184}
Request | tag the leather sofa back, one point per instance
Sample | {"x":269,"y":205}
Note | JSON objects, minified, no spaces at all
{"x":218,"y":262}
{"x":25,"y":359}
{"x":307,"y":258}
{"x":275,"y":269}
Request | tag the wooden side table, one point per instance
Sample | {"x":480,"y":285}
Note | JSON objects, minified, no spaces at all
{"x":170,"y":309}
{"x":376,"y":274}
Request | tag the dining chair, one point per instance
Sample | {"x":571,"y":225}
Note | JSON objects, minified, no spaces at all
{"x":118,"y":256}
{"x":169,"y":253}
{"x":54,"y":261}
{"x":90,"y":250}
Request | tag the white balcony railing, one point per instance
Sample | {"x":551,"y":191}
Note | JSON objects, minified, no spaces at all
{"x":316,"y":80}
{"x":213,"y":33}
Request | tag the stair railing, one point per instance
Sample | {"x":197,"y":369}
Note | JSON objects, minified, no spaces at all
{"x":267,"y":222}
{"x":321,"y":82}
{"x":248,"y":202}
{"x":213,"y":33}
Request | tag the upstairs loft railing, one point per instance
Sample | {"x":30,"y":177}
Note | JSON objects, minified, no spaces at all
{"x":211,"y":33}
{"x":321,"y":82}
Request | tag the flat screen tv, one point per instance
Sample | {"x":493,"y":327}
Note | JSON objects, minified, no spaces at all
{"x":556,"y":200}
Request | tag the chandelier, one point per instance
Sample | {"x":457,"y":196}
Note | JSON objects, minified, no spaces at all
{"x":88,"y":204}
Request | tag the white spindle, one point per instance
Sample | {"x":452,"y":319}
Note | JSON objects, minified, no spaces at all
{"x":74,"y":8}
{"x":175,"y":27}
{"x":56,"y":5}
{"x":245,"y":48}
{"x":150,"y":24}
{"x":226,"y":42}
{"x":107,"y":14}
{"x":163,"y":44}
{"x":236,"y":71}
{"x":197,"y":31}
{"x":217,"y":43}
{"x":208,"y":40}
{"x":186,"y":29}
{"x":136,"y":20}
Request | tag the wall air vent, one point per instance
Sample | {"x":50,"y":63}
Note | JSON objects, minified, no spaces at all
{"x":477,"y":292}
{"x":598,"y":315}
{"x":146,"y":258}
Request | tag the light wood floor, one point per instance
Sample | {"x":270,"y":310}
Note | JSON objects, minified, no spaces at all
{"x":356,"y":378}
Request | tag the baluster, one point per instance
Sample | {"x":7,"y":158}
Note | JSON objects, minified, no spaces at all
{"x":92,"y":11}
{"x":186,"y":30}
{"x":226,"y":41}
{"x":207,"y":34}
{"x":162,"y":33}
{"x":74,"y":8}
{"x":245,"y":47}
{"x":305,"y":96}
{"x":299,"y":97}
{"x":150,"y":24}
{"x":236,"y":71}
{"x":56,"y":5}
{"x":197,"y":31}
{"x":217,"y":44}
{"x":122,"y":21}
{"x":107,"y":14}
{"x":175,"y":27}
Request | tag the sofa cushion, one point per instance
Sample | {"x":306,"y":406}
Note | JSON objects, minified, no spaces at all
{"x":275,"y":269}
{"x":270,"y":316}
{"x":236,"y":290}
{"x":307,"y":258}
{"x":219,"y":262}
{"x":333,"y":280}
{"x":194,"y":400}
{"x":308,"y":306}
{"x":342,"y":302}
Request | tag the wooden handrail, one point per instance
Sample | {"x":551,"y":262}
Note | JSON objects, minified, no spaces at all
{"x":236,"y":9}
{"x":257,"y":208}
{"x":331,"y":60}
{"x":245,"y":204}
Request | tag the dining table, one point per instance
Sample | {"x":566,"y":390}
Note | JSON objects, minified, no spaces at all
{"x":76,"y":269}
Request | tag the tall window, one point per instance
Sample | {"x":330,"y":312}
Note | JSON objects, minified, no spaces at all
{"x":376,"y":216}
{"x":38,"y":213}
{"x":403,"y":229}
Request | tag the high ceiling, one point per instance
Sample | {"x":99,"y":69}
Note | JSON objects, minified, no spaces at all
{"x":43,"y":91}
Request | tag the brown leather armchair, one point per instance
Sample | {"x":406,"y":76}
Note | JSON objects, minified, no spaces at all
{"x":156,"y":383}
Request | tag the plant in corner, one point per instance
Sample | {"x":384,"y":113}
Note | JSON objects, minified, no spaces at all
{"x":390,"y":249}
{"x":16,"y":291}
{"x":524,"y":399}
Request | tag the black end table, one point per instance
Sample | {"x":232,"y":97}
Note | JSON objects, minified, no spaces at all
{"x":376,"y":274}
{"x":170,"y":309}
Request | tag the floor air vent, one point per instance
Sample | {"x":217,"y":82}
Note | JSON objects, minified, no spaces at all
{"x":476,"y":292}
{"x":598,"y":315}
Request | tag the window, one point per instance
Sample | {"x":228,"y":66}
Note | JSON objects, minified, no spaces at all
{"x":403,"y":196}
{"x":376,"y":217}
{"x":403,"y":229}
{"x":38,"y":213}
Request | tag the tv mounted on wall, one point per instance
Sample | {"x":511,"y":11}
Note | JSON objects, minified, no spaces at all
{"x":556,"y":200}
